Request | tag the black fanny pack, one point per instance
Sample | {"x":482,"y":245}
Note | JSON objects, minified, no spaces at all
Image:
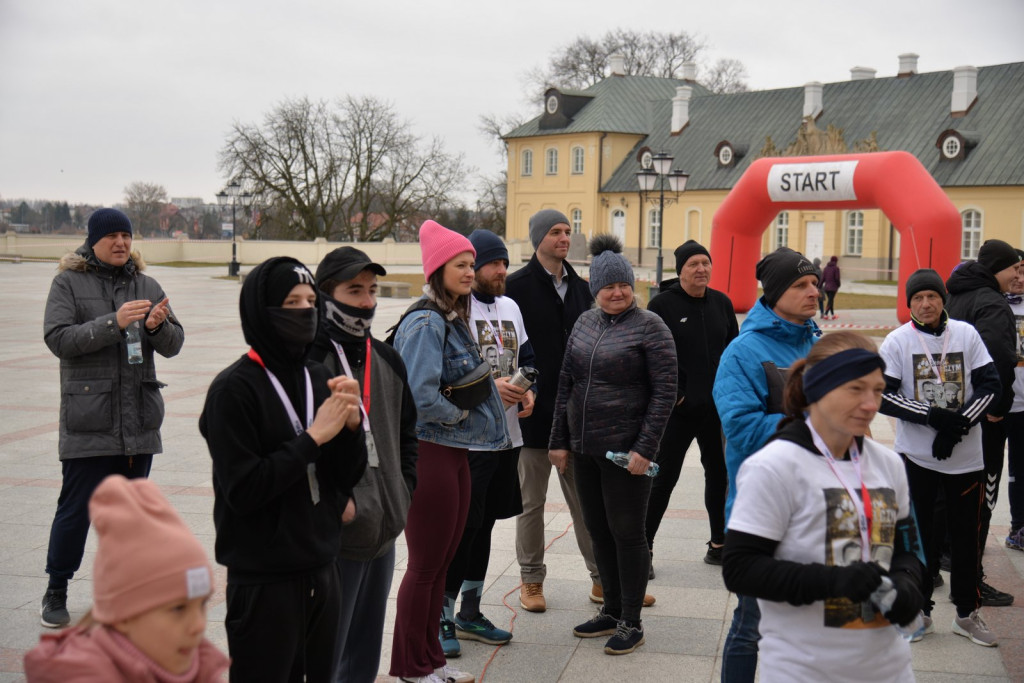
{"x":470,"y":390}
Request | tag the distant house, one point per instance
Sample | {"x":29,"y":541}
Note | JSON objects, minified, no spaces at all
{"x":582,"y":153}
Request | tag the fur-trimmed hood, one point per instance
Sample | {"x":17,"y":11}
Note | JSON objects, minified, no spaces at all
{"x":82,"y":258}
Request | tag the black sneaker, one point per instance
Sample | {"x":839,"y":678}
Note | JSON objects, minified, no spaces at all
{"x":650,"y":572}
{"x":937,"y":580}
{"x":601,"y":625}
{"x":626,"y":639}
{"x":992,"y":597}
{"x":714,"y":555}
{"x":54,"y":611}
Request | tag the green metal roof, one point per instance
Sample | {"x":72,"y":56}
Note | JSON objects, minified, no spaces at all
{"x":904,"y":113}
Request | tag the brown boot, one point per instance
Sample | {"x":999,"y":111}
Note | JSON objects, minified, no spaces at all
{"x":597,"y":595}
{"x":531,"y":597}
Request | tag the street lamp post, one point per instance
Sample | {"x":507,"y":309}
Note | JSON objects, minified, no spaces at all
{"x":661,"y":168}
{"x":233,"y":191}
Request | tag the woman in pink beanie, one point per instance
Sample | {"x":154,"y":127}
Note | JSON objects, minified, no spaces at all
{"x":151,"y":584}
{"x":435,"y":342}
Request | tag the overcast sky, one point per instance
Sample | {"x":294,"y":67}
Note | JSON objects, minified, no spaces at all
{"x":97,"y":94}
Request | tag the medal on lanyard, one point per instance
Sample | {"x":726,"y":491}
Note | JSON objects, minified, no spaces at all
{"x":314,"y":483}
{"x":372,"y":459}
{"x":936,"y":367}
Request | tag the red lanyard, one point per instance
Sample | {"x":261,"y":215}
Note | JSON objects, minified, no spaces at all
{"x":366,"y":378}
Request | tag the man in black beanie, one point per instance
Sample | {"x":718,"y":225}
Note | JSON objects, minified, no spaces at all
{"x":976,"y":296}
{"x":702,"y":322}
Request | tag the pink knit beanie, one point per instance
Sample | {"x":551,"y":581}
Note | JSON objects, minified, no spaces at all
{"x":439,"y":245}
{"x":147,"y":556}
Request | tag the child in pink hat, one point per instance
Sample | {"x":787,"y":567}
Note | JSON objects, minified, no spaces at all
{"x":151,"y":583}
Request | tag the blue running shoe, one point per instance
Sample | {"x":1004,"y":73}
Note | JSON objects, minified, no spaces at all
{"x":481,"y":629}
{"x":449,"y":643}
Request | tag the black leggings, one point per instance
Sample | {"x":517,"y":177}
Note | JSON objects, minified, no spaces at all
{"x":830,"y":304}
{"x":682,"y":429}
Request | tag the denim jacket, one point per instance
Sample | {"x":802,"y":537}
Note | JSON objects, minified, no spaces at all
{"x":419,"y":340}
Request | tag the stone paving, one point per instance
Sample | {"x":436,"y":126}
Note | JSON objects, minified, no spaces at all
{"x":685,"y":629}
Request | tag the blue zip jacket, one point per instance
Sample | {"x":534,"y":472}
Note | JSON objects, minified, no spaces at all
{"x":741,"y":387}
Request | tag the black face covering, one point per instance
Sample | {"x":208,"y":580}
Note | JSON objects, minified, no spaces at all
{"x":349,"y":319}
{"x":295,"y":326}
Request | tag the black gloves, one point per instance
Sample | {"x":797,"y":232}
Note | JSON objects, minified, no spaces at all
{"x":856,"y":581}
{"x":948,"y":421}
{"x":908,"y":599}
{"x":943,"y":445}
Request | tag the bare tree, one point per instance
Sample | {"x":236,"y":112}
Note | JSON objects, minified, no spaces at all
{"x":143,"y":204}
{"x":726,"y":76}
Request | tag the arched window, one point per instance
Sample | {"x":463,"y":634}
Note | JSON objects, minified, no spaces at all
{"x":971,"y":225}
{"x":619,"y":224}
{"x":577,"y":160}
{"x":526,"y":168}
{"x":855,"y":233}
{"x":782,"y":230}
{"x":577,"y":221}
{"x":654,"y":227}
{"x":551,"y":161}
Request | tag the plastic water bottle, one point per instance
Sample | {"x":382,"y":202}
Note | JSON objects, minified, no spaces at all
{"x":134,"y":340}
{"x":622,"y":460}
{"x":883,"y":598}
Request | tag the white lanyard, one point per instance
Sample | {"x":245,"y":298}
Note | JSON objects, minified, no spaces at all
{"x":314,"y":484}
{"x":348,"y":371}
{"x":372,"y":457}
{"x":936,"y":368}
{"x":861,"y":503}
{"x":495,"y":334}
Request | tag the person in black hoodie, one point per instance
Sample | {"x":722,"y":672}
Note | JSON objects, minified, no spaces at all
{"x":702,"y":322}
{"x":347,"y":280}
{"x":287,"y":448}
{"x":976,"y":291}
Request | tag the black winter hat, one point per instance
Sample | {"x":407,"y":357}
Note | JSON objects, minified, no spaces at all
{"x":489,"y":247}
{"x":687,"y":249}
{"x":344,"y":263}
{"x":781,"y":268}
{"x":997,"y":255}
{"x":925,"y":279}
{"x":102,"y":222}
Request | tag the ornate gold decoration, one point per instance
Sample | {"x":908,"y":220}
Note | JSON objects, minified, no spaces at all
{"x":812,"y":141}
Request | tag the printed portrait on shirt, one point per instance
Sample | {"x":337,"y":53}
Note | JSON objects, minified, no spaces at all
{"x":844,"y":543}
{"x":1019,"y":320}
{"x":502,"y":359}
{"x":939,"y":383}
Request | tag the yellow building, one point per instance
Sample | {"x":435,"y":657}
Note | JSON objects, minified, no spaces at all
{"x":582,"y":155}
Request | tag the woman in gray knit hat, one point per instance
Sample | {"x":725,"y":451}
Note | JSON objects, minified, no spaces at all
{"x":615,"y":393}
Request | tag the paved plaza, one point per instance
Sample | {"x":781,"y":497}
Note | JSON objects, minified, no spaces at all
{"x":685,"y":629}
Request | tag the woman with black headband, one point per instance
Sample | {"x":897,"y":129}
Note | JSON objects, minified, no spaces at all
{"x":818,"y":488}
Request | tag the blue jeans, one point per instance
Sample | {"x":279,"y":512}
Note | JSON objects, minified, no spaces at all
{"x":364,"y":592}
{"x":739,"y":656}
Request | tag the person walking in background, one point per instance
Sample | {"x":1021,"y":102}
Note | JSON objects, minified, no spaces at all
{"x":496,"y":325}
{"x":821,"y":292}
{"x":942,"y":447}
{"x":152,"y":582}
{"x":702,"y":322}
{"x":347,"y":281}
{"x":551,"y":296}
{"x":748,"y":393}
{"x":287,"y":447}
{"x":830,"y":283}
{"x":616,"y":390}
{"x":976,"y":290}
{"x":110,"y":404}
{"x":820,"y":488}
{"x":437,"y":346}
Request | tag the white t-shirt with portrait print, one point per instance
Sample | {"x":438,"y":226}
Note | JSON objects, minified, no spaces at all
{"x":1018,"y":373}
{"x":789,"y":494}
{"x":504,"y":319}
{"x":943,"y":382}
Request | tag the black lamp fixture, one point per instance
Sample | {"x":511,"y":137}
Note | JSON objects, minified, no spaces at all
{"x":232,"y":193}
{"x":649,"y":178}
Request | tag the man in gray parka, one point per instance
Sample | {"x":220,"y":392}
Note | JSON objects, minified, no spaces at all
{"x":110,"y":404}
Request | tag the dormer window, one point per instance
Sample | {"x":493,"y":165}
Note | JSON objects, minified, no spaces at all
{"x":954,"y":145}
{"x":728,"y":154}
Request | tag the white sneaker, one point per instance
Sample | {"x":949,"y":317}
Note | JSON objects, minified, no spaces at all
{"x":429,"y":678}
{"x":974,"y":628}
{"x":926,"y":627}
{"x":449,"y":674}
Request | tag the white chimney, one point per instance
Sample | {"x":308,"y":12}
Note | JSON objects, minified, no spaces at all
{"x":681,"y":108}
{"x":617,"y":64}
{"x":812,"y":99}
{"x":965,"y":89}
{"x":862,"y":73}
{"x":689,"y":71}
{"x":908,"y":65}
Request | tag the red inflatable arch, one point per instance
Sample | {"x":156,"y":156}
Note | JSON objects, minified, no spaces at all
{"x":894,"y":182}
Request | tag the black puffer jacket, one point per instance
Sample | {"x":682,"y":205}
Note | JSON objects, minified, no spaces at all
{"x":617,"y":385}
{"x":974,"y":297}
